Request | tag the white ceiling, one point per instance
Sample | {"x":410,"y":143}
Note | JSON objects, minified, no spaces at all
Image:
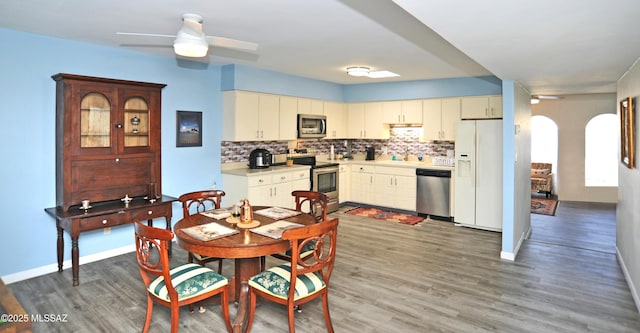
{"x":549,"y":46}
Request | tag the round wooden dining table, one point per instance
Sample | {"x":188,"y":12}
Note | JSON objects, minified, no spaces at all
{"x":245,"y":247}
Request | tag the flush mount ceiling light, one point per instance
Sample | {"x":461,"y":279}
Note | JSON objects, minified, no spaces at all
{"x":358,"y":71}
{"x":364,"y":71}
{"x":534,"y":100}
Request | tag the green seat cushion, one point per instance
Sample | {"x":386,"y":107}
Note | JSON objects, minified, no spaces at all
{"x":275,"y":281}
{"x":189,"y":280}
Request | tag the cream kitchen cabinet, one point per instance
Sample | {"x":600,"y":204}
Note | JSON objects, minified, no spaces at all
{"x":249,"y":116}
{"x":362,"y":183}
{"x":344,"y":183}
{"x":395,"y":187}
{"x":440,"y":117}
{"x":402,"y":112}
{"x":481,"y":107}
{"x":310,"y":106}
{"x":272,"y":190}
{"x":268,"y":188}
{"x":365,"y":121}
{"x":336,"y":120}
{"x":288,"y":118}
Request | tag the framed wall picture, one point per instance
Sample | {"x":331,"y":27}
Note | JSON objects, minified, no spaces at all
{"x":627,"y":132}
{"x":188,"y":129}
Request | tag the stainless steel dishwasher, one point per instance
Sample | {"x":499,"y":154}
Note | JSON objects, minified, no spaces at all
{"x":433,"y":197}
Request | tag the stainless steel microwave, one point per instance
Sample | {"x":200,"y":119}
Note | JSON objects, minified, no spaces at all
{"x":312,"y":126}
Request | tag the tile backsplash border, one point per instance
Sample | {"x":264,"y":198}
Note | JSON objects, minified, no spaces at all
{"x":402,"y":140}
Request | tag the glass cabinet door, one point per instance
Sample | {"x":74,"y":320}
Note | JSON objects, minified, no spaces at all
{"x":136,"y":122}
{"x":95,"y":121}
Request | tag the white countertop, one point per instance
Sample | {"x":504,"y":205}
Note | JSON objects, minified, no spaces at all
{"x":401,"y":164}
{"x":245,"y":171}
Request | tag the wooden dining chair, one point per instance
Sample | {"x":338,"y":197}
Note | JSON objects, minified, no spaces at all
{"x":174,"y":287}
{"x":310,"y":202}
{"x":303,"y":278}
{"x":198,"y":202}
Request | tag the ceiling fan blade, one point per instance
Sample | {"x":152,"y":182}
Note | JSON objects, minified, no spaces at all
{"x":143,"y":34}
{"x":548,"y":97}
{"x":232,"y":43}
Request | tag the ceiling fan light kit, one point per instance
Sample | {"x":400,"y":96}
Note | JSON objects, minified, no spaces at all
{"x":190,"y":40}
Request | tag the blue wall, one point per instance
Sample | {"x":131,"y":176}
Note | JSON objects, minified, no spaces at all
{"x":27,"y":104}
{"x":27,"y":110}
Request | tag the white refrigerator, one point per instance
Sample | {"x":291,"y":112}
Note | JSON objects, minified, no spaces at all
{"x":478,"y":174}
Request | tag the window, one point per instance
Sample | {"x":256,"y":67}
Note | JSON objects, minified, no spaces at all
{"x":544,"y":140}
{"x":601,"y":153}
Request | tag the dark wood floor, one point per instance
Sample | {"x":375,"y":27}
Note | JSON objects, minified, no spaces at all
{"x":432,"y":277}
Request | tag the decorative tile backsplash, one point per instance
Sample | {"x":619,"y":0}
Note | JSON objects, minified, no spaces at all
{"x":401,"y":141}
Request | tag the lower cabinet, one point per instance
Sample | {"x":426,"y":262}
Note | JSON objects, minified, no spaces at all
{"x":344,"y":183}
{"x":384,"y":186}
{"x":395,"y":188}
{"x":362,"y":183}
{"x":268,"y":188}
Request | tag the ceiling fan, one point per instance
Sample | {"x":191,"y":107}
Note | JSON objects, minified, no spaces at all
{"x":535,"y":99}
{"x":190,"y":41}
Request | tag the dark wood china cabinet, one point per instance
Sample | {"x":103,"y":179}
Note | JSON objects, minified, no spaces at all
{"x":107,"y":156}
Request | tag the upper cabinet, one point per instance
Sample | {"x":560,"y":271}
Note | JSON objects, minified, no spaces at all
{"x":440,"y":117}
{"x":481,"y":107}
{"x":288,"y":116}
{"x":310,"y":106}
{"x":402,"y":112}
{"x":249,"y":116}
{"x":365,"y":121}
{"x":106,"y":127}
{"x":336,"y":120}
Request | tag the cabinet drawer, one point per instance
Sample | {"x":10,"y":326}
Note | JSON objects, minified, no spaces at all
{"x":395,"y":171}
{"x":104,"y":221}
{"x":149,"y":213}
{"x":302,"y":174}
{"x":259,"y":180}
{"x":361,"y":168}
{"x":281,"y":178}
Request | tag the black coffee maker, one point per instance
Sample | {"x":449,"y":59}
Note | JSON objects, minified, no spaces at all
{"x":371,"y":153}
{"x":259,"y":158}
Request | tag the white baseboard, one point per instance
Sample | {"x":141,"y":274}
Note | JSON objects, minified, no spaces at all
{"x":512,"y":255}
{"x":42,"y":270}
{"x":632,"y":288}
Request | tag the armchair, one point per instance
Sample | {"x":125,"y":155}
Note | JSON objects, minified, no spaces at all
{"x":541,"y":178}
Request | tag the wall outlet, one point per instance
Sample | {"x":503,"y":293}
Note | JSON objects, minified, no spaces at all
{"x":107,"y":231}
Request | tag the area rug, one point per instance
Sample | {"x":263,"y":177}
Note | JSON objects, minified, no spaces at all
{"x":544,"y":206}
{"x":379,"y":214}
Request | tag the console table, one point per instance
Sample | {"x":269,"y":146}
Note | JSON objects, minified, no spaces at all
{"x":104,"y":215}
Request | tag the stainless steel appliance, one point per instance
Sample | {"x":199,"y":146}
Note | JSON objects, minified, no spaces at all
{"x":433,"y":197}
{"x":371,"y":153}
{"x":324,"y":179}
{"x":259,"y":158}
{"x":311,"y":126}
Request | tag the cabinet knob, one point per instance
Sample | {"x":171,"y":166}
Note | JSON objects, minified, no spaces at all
{"x":118,"y":125}
{"x":104,"y":221}
{"x":150,"y":212}
{"x":117,"y":160}
{"x":283,"y":177}
{"x":260,"y":181}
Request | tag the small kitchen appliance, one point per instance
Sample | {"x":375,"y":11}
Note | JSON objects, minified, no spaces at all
{"x":371,"y":153}
{"x":259,"y":158}
{"x":312,"y":126}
